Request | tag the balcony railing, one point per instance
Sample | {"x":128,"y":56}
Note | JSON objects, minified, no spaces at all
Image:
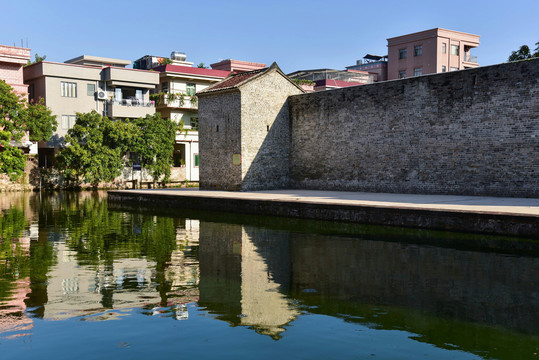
{"x":129,"y":108}
{"x":470,"y":58}
{"x":132,"y":102}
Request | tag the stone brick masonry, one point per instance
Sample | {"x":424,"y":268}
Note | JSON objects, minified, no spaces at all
{"x":470,"y":132}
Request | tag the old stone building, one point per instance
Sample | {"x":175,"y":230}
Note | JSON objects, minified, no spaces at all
{"x":244,"y":131}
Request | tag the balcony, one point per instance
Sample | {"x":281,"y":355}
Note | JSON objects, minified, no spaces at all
{"x":470,"y":58}
{"x":177,"y":100}
{"x":129,"y":108}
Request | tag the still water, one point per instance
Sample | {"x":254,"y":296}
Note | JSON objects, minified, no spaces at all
{"x":83,"y":279}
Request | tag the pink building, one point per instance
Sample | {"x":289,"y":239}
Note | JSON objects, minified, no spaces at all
{"x":431,"y":51}
{"x":237,"y":66}
{"x":12,"y":59}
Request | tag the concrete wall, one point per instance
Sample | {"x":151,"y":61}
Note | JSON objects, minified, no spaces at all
{"x":219,"y":138}
{"x":265,"y":140}
{"x":469,"y":132}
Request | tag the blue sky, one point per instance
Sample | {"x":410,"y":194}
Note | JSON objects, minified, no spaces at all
{"x":296,"y":34}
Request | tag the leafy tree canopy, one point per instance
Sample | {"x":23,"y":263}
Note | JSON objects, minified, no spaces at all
{"x":19,"y":118}
{"x":37,"y":59}
{"x":97,"y":147}
{"x":524,"y":53}
{"x":202,"y":66}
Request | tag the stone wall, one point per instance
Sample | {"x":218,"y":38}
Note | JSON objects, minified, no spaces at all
{"x":219,"y":138}
{"x":265,"y":140}
{"x":472,"y":132}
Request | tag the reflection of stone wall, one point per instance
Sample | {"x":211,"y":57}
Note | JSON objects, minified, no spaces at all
{"x":482,"y":287}
{"x":243,"y":274}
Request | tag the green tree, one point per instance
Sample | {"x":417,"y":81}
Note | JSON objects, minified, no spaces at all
{"x":19,"y":118}
{"x":153,"y":142}
{"x":524,"y":53}
{"x":37,"y":59}
{"x":96,"y":146}
{"x":202,"y":66}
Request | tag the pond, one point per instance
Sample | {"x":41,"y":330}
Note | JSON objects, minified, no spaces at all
{"x":81,"y":278}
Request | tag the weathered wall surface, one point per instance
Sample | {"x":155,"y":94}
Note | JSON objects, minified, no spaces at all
{"x":265,"y":140}
{"x":470,"y":132}
{"x":219,"y":138}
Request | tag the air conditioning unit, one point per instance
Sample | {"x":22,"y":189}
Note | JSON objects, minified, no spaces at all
{"x":102,"y":95}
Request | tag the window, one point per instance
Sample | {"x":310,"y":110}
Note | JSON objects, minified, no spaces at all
{"x":454,"y":68}
{"x":402,"y":53}
{"x":69,"y":89}
{"x":444,"y":48}
{"x":444,"y":68}
{"x":90,"y":89}
{"x":196,"y":160}
{"x":68,"y":121}
{"x":418,"y":50}
{"x":164,"y":87}
{"x":418,"y":71}
{"x":454,"y":49}
{"x":402,"y":74}
{"x":194,"y":123}
{"x":191,"y":89}
{"x":31,"y":92}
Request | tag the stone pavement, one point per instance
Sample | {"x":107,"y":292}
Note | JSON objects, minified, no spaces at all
{"x":472,"y":204}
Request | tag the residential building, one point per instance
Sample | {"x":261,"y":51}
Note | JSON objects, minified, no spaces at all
{"x":237,"y":66}
{"x":373,"y":64}
{"x":175,"y":99}
{"x":430,"y":51}
{"x":327,"y":79}
{"x":12,"y":60}
{"x":88,"y":83}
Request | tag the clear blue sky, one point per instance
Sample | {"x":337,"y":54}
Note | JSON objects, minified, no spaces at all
{"x":296,"y":34}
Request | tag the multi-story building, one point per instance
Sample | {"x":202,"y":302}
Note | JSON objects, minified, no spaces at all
{"x":373,"y":64}
{"x":175,"y":99}
{"x":430,"y":51}
{"x":12,"y":60}
{"x":327,"y":79}
{"x":88,"y":83}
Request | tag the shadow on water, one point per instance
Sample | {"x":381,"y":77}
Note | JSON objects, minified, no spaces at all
{"x":71,"y":254}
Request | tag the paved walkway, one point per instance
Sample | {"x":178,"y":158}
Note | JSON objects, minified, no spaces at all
{"x":472,"y":204}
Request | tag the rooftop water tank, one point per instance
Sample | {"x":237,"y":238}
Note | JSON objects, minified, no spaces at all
{"x":176,"y":55}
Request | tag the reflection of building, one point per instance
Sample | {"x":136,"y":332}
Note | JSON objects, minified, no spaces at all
{"x":84,"y":84}
{"x":430,"y":51}
{"x":244,"y":273}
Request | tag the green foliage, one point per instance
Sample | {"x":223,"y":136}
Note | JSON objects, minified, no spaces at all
{"x":17,"y":119}
{"x":303,"y":82}
{"x":524,"y":53}
{"x":12,"y":161}
{"x":202,"y":66}
{"x":37,"y":59}
{"x":154,"y":144}
{"x":95,"y":150}
{"x":97,"y":147}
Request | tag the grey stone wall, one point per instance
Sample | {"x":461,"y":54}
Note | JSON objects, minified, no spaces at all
{"x":219,"y":138}
{"x":472,"y":132}
{"x":265,"y":140}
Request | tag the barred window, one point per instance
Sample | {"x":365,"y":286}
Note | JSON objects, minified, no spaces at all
{"x":68,"y":121}
{"x":69,"y":89}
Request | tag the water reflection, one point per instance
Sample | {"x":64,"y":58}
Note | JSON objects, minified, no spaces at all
{"x":69,"y":256}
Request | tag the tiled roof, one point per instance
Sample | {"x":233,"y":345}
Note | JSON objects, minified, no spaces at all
{"x":232,"y":81}
{"x":192,"y":70}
